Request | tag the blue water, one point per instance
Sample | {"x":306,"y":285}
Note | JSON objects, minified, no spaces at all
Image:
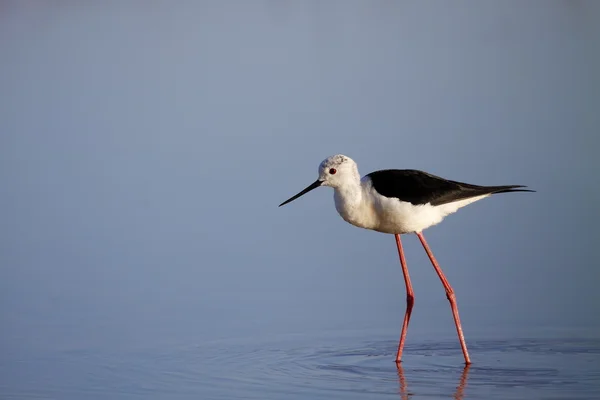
{"x":333,"y":365}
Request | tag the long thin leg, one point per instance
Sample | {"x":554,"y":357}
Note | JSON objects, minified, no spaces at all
{"x":410,"y":298}
{"x":449,"y":294}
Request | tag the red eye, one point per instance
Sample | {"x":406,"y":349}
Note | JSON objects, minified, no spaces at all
{"x":332,"y":171}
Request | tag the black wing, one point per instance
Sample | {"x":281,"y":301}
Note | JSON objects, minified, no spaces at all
{"x":418,"y":187}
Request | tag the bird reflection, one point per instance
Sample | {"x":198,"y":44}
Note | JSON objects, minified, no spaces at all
{"x":405,"y":394}
{"x":460,"y":389}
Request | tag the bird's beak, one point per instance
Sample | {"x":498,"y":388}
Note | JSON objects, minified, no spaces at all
{"x":314,"y":185}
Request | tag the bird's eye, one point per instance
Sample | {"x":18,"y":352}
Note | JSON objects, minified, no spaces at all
{"x":332,"y":171}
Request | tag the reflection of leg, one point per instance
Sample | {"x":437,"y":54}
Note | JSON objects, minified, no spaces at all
{"x":450,"y":295}
{"x":460,"y":389}
{"x":410,"y":298}
{"x":458,"y":395}
{"x":403,"y":390}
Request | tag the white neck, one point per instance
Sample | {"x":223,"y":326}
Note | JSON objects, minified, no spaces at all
{"x":349,"y":194}
{"x":351,"y":205}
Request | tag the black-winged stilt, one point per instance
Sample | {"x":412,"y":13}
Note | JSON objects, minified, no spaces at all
{"x":397,"y":202}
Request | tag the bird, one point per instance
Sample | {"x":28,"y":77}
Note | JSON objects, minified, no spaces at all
{"x":401,"y":201}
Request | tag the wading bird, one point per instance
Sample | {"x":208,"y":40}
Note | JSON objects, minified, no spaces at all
{"x":398,"y":202}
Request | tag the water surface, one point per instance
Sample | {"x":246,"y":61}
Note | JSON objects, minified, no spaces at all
{"x":325,"y":366}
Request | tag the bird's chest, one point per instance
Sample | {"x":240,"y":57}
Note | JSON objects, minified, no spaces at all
{"x":355,"y":211}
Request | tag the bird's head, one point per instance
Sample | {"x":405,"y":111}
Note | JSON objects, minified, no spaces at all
{"x":334,"y":171}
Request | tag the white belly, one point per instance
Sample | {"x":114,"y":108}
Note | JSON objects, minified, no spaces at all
{"x":395,"y":216}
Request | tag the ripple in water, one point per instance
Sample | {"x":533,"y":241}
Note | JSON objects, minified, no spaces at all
{"x":318,"y":367}
{"x":310,"y":368}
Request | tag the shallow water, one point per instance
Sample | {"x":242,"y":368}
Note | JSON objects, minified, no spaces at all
{"x":333,"y":365}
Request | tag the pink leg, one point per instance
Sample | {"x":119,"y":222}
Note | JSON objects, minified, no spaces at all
{"x":410,"y":298}
{"x":450,"y":295}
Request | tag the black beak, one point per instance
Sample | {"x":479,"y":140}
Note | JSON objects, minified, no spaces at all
{"x":314,"y":185}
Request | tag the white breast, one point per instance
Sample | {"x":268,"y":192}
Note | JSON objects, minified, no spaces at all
{"x":355,"y":209}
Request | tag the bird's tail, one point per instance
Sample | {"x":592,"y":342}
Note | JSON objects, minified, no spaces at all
{"x":508,"y":189}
